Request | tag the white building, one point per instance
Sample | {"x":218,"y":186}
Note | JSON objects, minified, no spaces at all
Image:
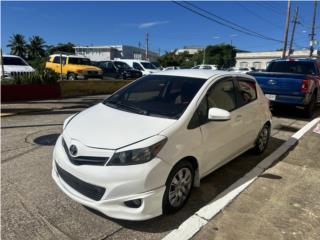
{"x":110,"y":52}
{"x":260,"y":60}
{"x":189,"y":50}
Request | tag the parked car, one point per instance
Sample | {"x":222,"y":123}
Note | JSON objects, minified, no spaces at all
{"x":139,"y":153}
{"x":206,"y":67}
{"x":292,"y":81}
{"x":242,"y":70}
{"x":117,"y":69}
{"x":73,"y":67}
{"x":14,"y":66}
{"x":171,"y":68}
{"x":145,"y":67}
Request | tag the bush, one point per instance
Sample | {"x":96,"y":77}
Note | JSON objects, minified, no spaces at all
{"x":44,"y":76}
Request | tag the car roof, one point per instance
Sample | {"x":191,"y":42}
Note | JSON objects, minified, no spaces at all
{"x":295,"y":59}
{"x":67,"y":55}
{"x":6,"y":55}
{"x":195,"y":73}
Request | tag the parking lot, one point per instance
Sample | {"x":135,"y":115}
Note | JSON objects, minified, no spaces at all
{"x":34,"y":208}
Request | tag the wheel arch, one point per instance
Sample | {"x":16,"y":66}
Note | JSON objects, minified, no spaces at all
{"x":194,"y":161}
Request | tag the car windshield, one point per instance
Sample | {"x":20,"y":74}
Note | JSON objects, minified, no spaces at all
{"x":292,"y":67}
{"x":148,"y":65}
{"x":13,"y":61}
{"x":79,"y":61}
{"x":121,"y":65}
{"x":157,"y":95}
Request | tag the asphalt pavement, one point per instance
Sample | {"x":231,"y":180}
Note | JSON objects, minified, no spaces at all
{"x":34,"y":208}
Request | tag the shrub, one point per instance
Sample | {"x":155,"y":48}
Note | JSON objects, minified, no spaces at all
{"x":43,"y":76}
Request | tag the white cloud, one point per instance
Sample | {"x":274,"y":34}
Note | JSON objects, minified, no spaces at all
{"x":151,"y":24}
{"x":215,"y":37}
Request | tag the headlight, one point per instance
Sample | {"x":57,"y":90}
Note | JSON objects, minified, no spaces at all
{"x":136,"y":156}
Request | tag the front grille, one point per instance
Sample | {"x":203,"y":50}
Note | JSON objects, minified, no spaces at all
{"x":21,"y":74}
{"x":89,"y":190}
{"x":84,"y":160}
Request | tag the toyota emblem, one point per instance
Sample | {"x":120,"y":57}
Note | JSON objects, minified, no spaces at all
{"x":73,"y":150}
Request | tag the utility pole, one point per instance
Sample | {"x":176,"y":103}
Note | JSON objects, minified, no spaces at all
{"x":295,"y":21}
{"x":312,"y":35}
{"x":204,"y":56}
{"x":2,"y":68}
{"x":147,"y":46}
{"x":286,"y":31}
{"x":159,"y":52}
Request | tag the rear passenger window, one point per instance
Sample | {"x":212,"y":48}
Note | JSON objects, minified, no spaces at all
{"x":247,"y":92}
{"x":56,"y":60}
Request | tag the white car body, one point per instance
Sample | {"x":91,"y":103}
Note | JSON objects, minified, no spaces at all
{"x":21,"y":69}
{"x":139,"y":65}
{"x":205,"y":67}
{"x":103,"y":131}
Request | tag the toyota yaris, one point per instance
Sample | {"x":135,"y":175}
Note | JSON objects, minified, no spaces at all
{"x":138,"y":154}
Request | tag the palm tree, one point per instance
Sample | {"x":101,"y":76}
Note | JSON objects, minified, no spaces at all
{"x":17,"y":43}
{"x":36,"y":47}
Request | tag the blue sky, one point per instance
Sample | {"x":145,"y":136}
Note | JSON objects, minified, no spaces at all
{"x":169,"y":25}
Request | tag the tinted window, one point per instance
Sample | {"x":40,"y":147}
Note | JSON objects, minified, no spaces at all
{"x":79,"y":61}
{"x":137,"y":66}
{"x":292,"y":67}
{"x":148,"y":65}
{"x":196,"y":67}
{"x":222,"y":95}
{"x":155,"y":95}
{"x":247,"y":91}
{"x":13,"y":61}
{"x":56,"y":60}
{"x":121,"y":65}
{"x":206,"y":67}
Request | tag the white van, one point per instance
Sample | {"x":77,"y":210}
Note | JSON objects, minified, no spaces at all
{"x":144,"y":66}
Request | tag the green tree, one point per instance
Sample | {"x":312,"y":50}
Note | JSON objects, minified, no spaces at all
{"x":36,"y":47}
{"x":62,"y":47}
{"x":222,"y":55}
{"x":17,"y":43}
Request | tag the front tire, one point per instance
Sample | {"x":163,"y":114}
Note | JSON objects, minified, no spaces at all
{"x":262,"y":140}
{"x":71,"y":76}
{"x":178,"y":187}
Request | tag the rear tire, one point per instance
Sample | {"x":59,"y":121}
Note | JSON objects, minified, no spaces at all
{"x":262,"y":140}
{"x":71,"y":77}
{"x":178,"y":187}
{"x":309,"y":109}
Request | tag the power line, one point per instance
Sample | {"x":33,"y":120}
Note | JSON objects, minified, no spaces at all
{"x":258,"y":16}
{"x":226,"y":23}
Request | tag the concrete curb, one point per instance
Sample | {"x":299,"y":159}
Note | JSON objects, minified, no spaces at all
{"x":194,"y":223}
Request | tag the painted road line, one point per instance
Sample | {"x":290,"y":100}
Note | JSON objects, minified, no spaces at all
{"x":194,"y":223}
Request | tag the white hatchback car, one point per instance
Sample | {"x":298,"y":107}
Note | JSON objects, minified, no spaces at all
{"x":139,"y":153}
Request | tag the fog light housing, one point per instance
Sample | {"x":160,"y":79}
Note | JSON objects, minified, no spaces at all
{"x":136,"y":203}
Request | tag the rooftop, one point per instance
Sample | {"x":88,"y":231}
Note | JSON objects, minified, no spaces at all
{"x":195,"y":73}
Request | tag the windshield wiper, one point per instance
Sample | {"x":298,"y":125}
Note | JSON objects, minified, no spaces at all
{"x":128,"y":107}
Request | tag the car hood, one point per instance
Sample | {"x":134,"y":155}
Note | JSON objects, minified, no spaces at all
{"x":104,"y":127}
{"x":17,"y":68}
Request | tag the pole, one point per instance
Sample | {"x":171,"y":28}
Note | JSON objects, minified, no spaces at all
{"x":2,"y":67}
{"x":61,"y":66}
{"x":286,"y":31}
{"x":295,"y":21}
{"x":312,"y":35}
{"x":147,"y":46}
{"x":204,"y":56}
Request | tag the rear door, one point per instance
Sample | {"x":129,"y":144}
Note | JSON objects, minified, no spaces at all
{"x":249,"y":109}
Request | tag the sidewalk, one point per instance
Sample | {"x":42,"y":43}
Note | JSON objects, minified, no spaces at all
{"x":283,"y":203}
{"x":32,"y":106}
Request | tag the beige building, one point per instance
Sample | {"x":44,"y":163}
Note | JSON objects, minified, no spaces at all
{"x":260,"y":60}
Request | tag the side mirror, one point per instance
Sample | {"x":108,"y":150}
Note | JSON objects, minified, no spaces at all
{"x":218,"y":114}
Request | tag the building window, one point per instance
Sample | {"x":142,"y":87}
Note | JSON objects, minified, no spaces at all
{"x":243,"y":64}
{"x":257,"y":65}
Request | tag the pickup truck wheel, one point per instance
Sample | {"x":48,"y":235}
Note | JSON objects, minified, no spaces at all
{"x":71,"y":76}
{"x":309,"y":109}
{"x":262,"y":140}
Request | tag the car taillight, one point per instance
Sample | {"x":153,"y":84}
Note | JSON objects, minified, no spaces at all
{"x":305,"y":86}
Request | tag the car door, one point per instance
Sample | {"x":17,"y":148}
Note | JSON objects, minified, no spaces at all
{"x":221,"y":140}
{"x":248,"y":108}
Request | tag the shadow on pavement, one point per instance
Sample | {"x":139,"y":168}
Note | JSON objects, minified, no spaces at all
{"x":211,"y":187}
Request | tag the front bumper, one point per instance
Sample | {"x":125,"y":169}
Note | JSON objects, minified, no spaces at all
{"x":125,"y":183}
